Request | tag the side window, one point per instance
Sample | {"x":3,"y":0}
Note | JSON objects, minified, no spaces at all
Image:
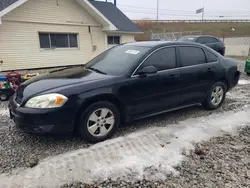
{"x":191,"y":56}
{"x":201,"y":40}
{"x":211,"y":40}
{"x":211,"y":57}
{"x":207,"y":40}
{"x":163,"y":59}
{"x":114,"y":40}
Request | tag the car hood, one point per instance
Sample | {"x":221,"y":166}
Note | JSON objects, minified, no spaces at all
{"x":57,"y":79}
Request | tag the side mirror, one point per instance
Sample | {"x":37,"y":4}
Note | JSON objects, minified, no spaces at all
{"x":148,"y":70}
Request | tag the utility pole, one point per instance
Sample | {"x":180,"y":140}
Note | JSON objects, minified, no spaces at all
{"x":157,"y":10}
{"x":201,"y":10}
{"x":203,"y":13}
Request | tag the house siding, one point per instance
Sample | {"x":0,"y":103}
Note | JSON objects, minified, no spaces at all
{"x":19,"y":39}
{"x":47,"y":11}
{"x":125,"y":38}
{"x":128,"y":38}
{"x":20,"y":47}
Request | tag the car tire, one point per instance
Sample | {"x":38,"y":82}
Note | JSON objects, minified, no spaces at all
{"x":96,"y":122}
{"x":222,"y":53}
{"x":3,"y":97}
{"x":248,"y":74}
{"x":215,"y":96}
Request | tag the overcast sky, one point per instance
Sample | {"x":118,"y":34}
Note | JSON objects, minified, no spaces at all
{"x":185,"y":9}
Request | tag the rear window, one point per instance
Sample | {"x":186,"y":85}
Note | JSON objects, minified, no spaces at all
{"x":187,"y":39}
{"x":207,"y":40}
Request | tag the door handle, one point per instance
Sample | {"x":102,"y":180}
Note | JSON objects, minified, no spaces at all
{"x":210,"y":69}
{"x":174,"y":76}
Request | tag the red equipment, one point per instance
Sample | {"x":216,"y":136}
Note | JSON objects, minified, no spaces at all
{"x":15,"y":80}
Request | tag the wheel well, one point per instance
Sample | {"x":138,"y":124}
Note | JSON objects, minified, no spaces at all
{"x":224,"y":80}
{"x":105,"y":97}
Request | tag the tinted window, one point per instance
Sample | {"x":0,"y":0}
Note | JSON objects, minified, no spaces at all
{"x":211,"y":57}
{"x":192,"y":56}
{"x":54,"y":40}
{"x":44,"y":40}
{"x":162,"y":59}
{"x":59,"y":40}
{"x":73,"y":40}
{"x":206,"y":40}
{"x":118,"y":60}
{"x":187,"y":39}
{"x":114,"y":40}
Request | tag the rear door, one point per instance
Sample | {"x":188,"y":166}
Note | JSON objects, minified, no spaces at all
{"x":197,"y":74}
{"x":155,"y":92}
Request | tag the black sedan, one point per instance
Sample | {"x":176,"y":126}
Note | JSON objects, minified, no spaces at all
{"x":126,"y":82}
{"x":210,"y":41}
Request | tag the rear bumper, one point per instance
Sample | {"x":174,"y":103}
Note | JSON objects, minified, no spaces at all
{"x":234,"y":81}
{"x":41,"y":121}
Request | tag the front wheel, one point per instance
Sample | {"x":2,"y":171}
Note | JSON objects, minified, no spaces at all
{"x":99,"y":122}
{"x":215,"y":96}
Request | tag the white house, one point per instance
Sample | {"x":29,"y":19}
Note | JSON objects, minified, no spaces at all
{"x":50,"y":33}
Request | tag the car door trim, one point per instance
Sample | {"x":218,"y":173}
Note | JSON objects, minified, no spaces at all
{"x":133,"y":74}
{"x":177,"y":51}
{"x":204,"y":51}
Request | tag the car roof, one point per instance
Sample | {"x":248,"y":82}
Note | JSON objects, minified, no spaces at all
{"x":196,"y":36}
{"x":155,"y":44}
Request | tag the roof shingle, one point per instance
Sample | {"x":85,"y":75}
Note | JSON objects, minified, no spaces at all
{"x":115,"y":16}
{"x":5,"y":3}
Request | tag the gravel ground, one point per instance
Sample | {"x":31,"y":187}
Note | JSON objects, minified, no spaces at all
{"x":221,"y":162}
{"x":18,"y":150}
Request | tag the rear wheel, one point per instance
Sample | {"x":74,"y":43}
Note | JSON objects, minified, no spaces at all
{"x":3,"y":97}
{"x":215,"y":96}
{"x":99,"y":122}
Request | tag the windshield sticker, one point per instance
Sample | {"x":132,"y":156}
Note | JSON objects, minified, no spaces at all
{"x":134,"y":52}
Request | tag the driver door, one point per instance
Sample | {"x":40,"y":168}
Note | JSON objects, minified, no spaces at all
{"x":152,"y":93}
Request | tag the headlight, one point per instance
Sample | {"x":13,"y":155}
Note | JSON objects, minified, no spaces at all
{"x":52,"y":100}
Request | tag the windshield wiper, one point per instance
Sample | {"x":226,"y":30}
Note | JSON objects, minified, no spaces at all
{"x":96,"y":70}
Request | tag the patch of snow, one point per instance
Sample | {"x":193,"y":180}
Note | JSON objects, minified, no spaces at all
{"x":152,"y":154}
{"x":243,"y":82}
{"x":4,"y":112}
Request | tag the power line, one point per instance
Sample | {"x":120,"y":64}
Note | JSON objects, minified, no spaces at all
{"x":183,"y":15}
{"x":187,"y":11}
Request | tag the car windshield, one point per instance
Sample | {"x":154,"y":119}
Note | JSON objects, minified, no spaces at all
{"x":187,"y":39}
{"x":117,"y":60}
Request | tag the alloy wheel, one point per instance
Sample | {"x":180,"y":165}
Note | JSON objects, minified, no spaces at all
{"x":100,"y":122}
{"x":217,"y":95}
{"x":3,"y":97}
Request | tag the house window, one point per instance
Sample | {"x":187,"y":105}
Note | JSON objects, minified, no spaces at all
{"x":58,"y":40}
{"x":114,"y":40}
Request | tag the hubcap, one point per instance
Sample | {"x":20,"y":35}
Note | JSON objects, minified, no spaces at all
{"x":217,"y":95}
{"x":3,"y":97}
{"x":101,"y":122}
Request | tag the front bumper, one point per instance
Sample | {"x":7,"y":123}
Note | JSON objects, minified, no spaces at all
{"x":60,"y":120}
